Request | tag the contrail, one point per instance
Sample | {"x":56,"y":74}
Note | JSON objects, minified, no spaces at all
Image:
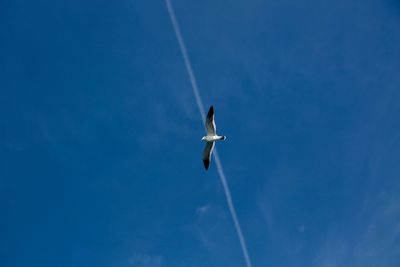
{"x":186,"y":58}
{"x":203,"y":115}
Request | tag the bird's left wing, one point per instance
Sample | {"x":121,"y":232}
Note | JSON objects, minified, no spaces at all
{"x":210,"y":122}
{"x":207,"y":154}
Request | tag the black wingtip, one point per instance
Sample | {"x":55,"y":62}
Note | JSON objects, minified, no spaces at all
{"x":210,"y":111}
{"x":206,"y":164}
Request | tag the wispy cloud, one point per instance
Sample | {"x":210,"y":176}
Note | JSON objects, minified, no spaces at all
{"x":145,"y":260}
{"x":208,"y":224}
{"x":375,"y":243}
{"x":203,"y":210}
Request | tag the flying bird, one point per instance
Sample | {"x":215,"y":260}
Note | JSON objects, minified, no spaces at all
{"x":210,"y":138}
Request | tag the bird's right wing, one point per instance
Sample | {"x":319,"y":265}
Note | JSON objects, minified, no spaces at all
{"x":207,"y":154}
{"x":210,"y":122}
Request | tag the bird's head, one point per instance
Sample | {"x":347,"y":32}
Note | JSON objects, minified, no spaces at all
{"x":203,"y":138}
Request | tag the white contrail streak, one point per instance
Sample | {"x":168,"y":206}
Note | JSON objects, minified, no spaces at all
{"x":232,"y":208}
{"x":203,"y":115}
{"x":186,"y":58}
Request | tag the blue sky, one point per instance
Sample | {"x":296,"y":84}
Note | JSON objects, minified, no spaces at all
{"x":100,"y":151}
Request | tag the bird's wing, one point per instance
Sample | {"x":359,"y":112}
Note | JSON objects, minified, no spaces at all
{"x":210,"y":122}
{"x":207,"y":154}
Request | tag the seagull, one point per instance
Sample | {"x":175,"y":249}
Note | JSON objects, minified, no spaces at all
{"x":210,"y":138}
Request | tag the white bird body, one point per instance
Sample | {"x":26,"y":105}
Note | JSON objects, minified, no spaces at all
{"x":213,"y":138}
{"x":210,"y":138}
